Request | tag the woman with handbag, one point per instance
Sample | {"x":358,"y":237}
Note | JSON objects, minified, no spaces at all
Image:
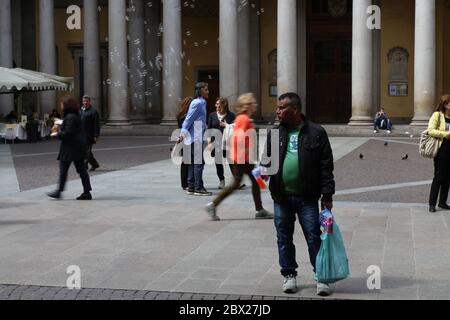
{"x":439,"y":127}
{"x":219,"y":120}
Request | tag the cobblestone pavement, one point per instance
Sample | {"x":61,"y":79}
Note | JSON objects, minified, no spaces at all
{"x":146,"y":237}
{"x":21,"y":292}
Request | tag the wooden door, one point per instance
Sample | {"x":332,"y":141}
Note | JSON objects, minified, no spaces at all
{"x":211,"y":77}
{"x":329,"y":78}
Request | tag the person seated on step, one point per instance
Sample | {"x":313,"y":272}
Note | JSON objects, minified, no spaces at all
{"x":382,"y":121}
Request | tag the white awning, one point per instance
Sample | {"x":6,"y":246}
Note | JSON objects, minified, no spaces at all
{"x":21,"y":80}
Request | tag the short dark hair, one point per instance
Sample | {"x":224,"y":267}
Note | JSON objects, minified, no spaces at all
{"x":70,"y":105}
{"x":198,"y":87}
{"x":294,"y":99}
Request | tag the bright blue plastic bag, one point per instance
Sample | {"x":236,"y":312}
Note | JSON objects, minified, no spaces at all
{"x":332,"y":261}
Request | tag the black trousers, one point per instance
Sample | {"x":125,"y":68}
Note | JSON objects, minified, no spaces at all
{"x":81,"y":170}
{"x":184,"y":175}
{"x":90,"y":157}
{"x":219,"y":166}
{"x":441,"y":181}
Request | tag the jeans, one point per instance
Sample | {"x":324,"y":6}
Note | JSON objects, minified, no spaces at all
{"x":81,"y":170}
{"x":382,"y":123}
{"x":195,"y":169}
{"x":285,"y":216}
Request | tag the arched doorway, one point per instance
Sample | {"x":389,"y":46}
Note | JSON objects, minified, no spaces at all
{"x":329,"y":66}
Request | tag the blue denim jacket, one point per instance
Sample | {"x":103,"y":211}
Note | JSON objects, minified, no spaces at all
{"x":195,"y":122}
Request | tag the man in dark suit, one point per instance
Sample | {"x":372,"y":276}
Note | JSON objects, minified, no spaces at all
{"x":91,"y":126}
{"x":72,"y":148}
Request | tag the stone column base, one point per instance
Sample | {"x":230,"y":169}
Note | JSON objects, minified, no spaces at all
{"x":118,"y":122}
{"x":420,"y":121}
{"x":361,"y":121}
{"x":169,"y":122}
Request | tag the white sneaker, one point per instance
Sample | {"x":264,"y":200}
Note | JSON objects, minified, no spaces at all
{"x":323,"y":289}
{"x":222,"y":184}
{"x":263,"y":214}
{"x":289,"y":284}
{"x":211,"y":211}
{"x":375,"y":131}
{"x":389,"y":131}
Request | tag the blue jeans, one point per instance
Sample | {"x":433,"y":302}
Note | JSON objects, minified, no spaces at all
{"x":195,"y":169}
{"x":285,"y":216}
{"x":382,"y":123}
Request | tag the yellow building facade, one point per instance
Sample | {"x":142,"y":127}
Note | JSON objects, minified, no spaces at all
{"x":325,"y":55}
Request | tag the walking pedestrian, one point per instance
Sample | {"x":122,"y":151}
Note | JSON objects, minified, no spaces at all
{"x":192,"y":133}
{"x":240,"y":156}
{"x":439,"y":127}
{"x":91,"y":126}
{"x":219,"y":120}
{"x":72,"y":148}
{"x":305,"y":173}
{"x":181,"y":116}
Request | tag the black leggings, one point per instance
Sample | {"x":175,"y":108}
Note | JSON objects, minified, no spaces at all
{"x":441,"y":181}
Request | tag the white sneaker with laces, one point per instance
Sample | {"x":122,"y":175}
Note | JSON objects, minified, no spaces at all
{"x":222,"y":184}
{"x":323,"y":289}
{"x":290,"y":284}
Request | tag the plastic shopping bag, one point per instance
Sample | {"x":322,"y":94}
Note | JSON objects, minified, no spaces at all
{"x":332,"y":261}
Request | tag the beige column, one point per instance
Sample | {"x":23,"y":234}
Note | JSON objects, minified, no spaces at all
{"x":47,"y":51}
{"x":287,"y":46}
{"x":92,"y":63}
{"x":362,"y":66}
{"x":138,"y":66}
{"x":301,"y":45}
{"x":244,"y":47}
{"x":228,"y":50}
{"x":118,"y":58}
{"x":424,"y":61}
{"x":6,"y":52}
{"x":172,"y":67}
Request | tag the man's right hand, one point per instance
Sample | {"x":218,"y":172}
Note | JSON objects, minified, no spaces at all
{"x":180,"y":139}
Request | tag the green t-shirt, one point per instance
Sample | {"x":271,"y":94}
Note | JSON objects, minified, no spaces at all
{"x":291,"y":169}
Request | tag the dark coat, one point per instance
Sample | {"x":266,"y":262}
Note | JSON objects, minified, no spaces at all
{"x":214,"y":123}
{"x":73,"y":143}
{"x":180,"y":121}
{"x":91,"y":124}
{"x":315,"y":163}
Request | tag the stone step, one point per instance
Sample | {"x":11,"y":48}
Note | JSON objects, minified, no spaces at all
{"x":335,"y":130}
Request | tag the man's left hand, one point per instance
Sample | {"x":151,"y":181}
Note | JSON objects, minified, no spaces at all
{"x":326,"y":204}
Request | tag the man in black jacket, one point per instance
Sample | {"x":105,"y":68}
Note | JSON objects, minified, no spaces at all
{"x":91,"y":126}
{"x":304,"y":175}
{"x":72,"y":148}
